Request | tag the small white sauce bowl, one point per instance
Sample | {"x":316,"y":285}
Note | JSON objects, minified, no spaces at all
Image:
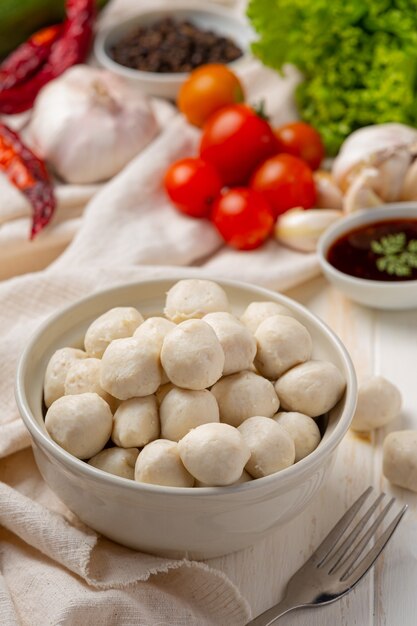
{"x":377,"y":294}
{"x":176,"y":521}
{"x":166,"y":85}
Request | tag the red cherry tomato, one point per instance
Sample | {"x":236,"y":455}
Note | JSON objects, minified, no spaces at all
{"x":192,"y":185}
{"x":301,"y":140}
{"x":235,"y":140}
{"x":286,"y":182}
{"x":243,"y":218}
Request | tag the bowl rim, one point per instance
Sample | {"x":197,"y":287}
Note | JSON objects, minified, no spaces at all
{"x":286,"y":476}
{"x":361,"y":218}
{"x":105,"y":59}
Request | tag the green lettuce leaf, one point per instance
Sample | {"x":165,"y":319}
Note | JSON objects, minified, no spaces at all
{"x":359,"y":59}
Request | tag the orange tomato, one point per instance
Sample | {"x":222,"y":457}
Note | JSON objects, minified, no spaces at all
{"x":208,"y":89}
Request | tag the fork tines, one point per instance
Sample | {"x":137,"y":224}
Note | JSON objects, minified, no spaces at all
{"x":338,"y":554}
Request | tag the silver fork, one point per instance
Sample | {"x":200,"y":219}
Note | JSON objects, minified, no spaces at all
{"x":333,"y":569}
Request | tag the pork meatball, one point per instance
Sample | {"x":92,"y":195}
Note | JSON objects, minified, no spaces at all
{"x":192,"y":356}
{"x":379,"y":402}
{"x":184,"y":409}
{"x":238,"y":343}
{"x":312,"y":388}
{"x":244,"y":395}
{"x":56,"y":372}
{"x":282,"y":343}
{"x":214,"y":454}
{"x":271,"y":447}
{"x":136,"y":422}
{"x":159,"y":463}
{"x":130,"y":368}
{"x":117,"y":323}
{"x":193,"y":298}
{"x":80,"y":424}
{"x":400,"y":459}
{"x":302,"y":429}
{"x":117,"y":461}
{"x":257,"y":312}
{"x":84,"y":376}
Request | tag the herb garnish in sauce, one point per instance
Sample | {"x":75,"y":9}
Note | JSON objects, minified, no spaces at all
{"x":385,"y":250}
{"x":397,"y":257}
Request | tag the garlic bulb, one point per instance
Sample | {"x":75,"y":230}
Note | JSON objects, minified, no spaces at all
{"x":301,"y":229}
{"x":386,"y":147}
{"x":390,"y":180}
{"x":88,"y":124}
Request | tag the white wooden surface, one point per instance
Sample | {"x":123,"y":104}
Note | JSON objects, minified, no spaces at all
{"x":379,"y":342}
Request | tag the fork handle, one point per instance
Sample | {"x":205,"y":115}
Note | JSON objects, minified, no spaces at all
{"x":274,"y":613}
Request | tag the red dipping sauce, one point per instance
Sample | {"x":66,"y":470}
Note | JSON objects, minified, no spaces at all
{"x":384,"y":251}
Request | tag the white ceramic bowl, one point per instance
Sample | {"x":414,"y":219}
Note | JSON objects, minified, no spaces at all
{"x":377,"y":294}
{"x":201,"y":522}
{"x":166,"y":85}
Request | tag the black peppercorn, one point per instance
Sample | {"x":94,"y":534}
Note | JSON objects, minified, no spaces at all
{"x":173,"y":46}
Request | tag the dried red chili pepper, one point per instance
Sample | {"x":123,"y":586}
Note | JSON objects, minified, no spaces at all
{"x":74,"y":44}
{"x":28,"y":173}
{"x":70,"y":48}
{"x":29,"y":57}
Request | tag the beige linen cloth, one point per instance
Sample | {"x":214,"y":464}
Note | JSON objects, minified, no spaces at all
{"x":53,"y":570}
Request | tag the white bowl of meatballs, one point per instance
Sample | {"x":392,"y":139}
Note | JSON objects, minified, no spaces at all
{"x":188,"y":417}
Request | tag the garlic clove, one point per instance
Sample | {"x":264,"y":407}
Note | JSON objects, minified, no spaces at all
{"x":409,"y":189}
{"x":301,"y":229}
{"x":329,"y":195}
{"x":363,"y":198}
{"x":361,"y":194}
{"x":392,"y":169}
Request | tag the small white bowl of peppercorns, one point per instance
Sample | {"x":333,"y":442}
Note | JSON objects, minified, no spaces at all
{"x":158,"y":48}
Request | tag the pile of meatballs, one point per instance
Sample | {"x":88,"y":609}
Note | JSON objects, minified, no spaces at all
{"x":196,"y":398}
